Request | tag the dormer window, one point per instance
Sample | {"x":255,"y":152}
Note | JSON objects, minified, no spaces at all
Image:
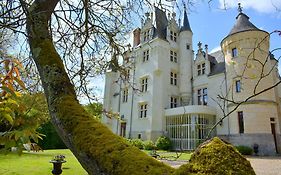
{"x":146,"y":35}
{"x":201,"y":69}
{"x":234,"y":52}
{"x":173,"y":36}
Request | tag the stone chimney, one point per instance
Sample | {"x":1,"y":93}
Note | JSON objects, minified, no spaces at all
{"x":136,"y":33}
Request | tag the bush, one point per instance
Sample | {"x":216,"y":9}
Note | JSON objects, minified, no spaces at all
{"x":218,"y":158}
{"x":137,"y":143}
{"x":163,"y":143}
{"x":244,"y":150}
{"x":148,"y":145}
{"x":52,"y":139}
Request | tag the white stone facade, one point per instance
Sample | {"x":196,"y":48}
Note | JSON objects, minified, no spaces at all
{"x":170,"y":91}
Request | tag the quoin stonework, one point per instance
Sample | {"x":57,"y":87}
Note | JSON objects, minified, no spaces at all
{"x":169,"y":89}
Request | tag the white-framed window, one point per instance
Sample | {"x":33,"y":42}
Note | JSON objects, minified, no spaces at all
{"x":201,"y":69}
{"x":173,"y":56}
{"x":234,"y":52}
{"x":127,"y":77}
{"x":173,"y":36}
{"x":125,"y":95}
{"x":144,"y":84}
{"x":173,"y":78}
{"x":174,"y":102}
{"x":143,"y":110}
{"x":146,"y":36}
{"x":238,"y":86}
{"x":145,"y":56}
{"x":202,"y":96}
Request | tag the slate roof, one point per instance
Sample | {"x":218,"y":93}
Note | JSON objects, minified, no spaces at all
{"x":186,"y":25}
{"x":161,"y":23}
{"x":217,"y":63}
{"x":242,"y":24}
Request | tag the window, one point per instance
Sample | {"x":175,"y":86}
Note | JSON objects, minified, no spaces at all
{"x":146,"y":35}
{"x":187,"y":46}
{"x":173,"y":36}
{"x":173,"y":56}
{"x":201,"y":69}
{"x":125,"y":95}
{"x":173,"y":78}
{"x":238,"y":85}
{"x":145,"y":56}
{"x":127,"y":74}
{"x":241,"y":122}
{"x":144,"y":84}
{"x":234,"y":52}
{"x":174,"y":102}
{"x":202,"y":95}
{"x":143,"y":111}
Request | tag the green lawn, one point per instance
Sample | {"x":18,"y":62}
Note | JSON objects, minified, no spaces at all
{"x":37,"y":163}
{"x":31,"y":163}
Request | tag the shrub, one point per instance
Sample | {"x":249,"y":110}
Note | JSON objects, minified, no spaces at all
{"x":163,"y":143}
{"x":245,"y":150}
{"x":148,"y":145}
{"x":216,"y":157}
{"x":52,"y":139}
{"x":137,"y":143}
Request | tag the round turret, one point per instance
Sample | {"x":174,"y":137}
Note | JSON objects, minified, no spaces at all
{"x":248,"y":73}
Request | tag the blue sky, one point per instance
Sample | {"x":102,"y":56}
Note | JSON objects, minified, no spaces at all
{"x":210,"y":24}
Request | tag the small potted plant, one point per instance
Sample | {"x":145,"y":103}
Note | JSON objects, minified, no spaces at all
{"x":57,"y":161}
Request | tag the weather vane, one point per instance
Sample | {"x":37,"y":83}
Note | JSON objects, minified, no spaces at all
{"x":239,"y":8}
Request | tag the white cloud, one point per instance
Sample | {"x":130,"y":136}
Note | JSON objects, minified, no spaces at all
{"x":263,"y":6}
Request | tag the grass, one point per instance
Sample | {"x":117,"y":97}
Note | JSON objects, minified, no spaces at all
{"x":32,"y":163}
{"x":37,"y":163}
{"x":181,"y":156}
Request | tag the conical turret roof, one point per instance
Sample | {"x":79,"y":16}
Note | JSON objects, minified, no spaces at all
{"x":186,"y":25}
{"x":242,"y":23}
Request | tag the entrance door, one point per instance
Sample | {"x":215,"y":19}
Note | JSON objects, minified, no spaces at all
{"x":123,"y":129}
{"x":273,"y":131}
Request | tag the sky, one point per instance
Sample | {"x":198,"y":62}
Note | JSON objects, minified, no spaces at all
{"x":210,"y":23}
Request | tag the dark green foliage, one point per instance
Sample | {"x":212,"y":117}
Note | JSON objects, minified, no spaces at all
{"x":136,"y":142}
{"x":245,"y":150}
{"x":148,"y":145}
{"x":163,"y":143}
{"x":214,"y":157}
{"x":51,"y":139}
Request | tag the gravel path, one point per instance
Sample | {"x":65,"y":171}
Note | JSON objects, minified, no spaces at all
{"x":261,"y":165}
{"x":266,"y":165}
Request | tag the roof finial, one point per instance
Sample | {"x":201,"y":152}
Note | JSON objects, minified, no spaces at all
{"x":199,"y":45}
{"x":239,"y":8}
{"x":184,"y":7}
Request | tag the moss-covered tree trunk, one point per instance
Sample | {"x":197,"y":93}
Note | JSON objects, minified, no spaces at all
{"x":97,"y":149}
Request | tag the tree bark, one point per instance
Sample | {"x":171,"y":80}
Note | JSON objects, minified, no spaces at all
{"x":97,"y":149}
